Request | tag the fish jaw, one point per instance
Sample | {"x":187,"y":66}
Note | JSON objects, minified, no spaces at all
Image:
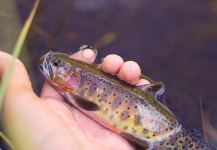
{"x":59,"y":72}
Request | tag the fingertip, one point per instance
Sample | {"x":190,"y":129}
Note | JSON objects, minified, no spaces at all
{"x":142,"y":82}
{"x":129,"y":72}
{"x":86,"y":55}
{"x":18,"y":77}
{"x":112,"y":63}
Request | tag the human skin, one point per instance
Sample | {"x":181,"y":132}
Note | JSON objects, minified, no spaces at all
{"x":45,"y":122}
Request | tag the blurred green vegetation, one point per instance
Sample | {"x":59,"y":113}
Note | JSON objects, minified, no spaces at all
{"x":17,"y":45}
{"x":10,"y":26}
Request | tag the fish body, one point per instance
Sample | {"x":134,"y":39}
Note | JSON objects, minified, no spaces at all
{"x":133,"y":112}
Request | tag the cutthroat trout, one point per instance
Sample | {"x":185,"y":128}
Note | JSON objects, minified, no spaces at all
{"x":133,"y":112}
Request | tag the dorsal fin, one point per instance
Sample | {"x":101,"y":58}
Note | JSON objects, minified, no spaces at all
{"x":156,"y":89}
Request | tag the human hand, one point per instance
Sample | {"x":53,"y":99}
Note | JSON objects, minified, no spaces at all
{"x":46,"y":122}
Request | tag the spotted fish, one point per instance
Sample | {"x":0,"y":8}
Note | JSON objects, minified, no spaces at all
{"x":133,"y":112}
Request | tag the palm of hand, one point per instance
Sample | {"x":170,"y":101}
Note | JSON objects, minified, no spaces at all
{"x":48,"y":123}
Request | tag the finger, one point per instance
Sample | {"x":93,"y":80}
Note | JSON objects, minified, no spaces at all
{"x":112,"y":63}
{"x":18,"y":80}
{"x":86,"y":55}
{"x":142,"y":82}
{"x":129,"y":72}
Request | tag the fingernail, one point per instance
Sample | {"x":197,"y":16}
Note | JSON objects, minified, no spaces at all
{"x":102,"y":60}
{"x":88,"y":53}
{"x":83,"y":47}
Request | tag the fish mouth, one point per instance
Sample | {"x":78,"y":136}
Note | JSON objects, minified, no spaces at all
{"x":46,"y":55}
{"x":45,"y":66}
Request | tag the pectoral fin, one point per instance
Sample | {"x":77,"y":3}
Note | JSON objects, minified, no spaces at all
{"x":85,"y":104}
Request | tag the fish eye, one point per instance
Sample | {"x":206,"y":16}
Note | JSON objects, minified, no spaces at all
{"x":56,"y":62}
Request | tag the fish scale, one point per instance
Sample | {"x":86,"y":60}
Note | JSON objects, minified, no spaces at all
{"x":113,"y":98}
{"x":133,"y":112}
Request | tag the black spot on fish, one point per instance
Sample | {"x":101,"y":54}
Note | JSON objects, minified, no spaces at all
{"x":124,"y":115}
{"x":111,"y":116}
{"x":134,"y":131}
{"x":106,"y":111}
{"x":92,"y":89}
{"x":145,"y":131}
{"x":137,"y":120}
{"x":116,"y":102}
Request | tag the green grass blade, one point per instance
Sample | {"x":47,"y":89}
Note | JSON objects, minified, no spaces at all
{"x":16,"y":52}
{"x":6,"y":140}
{"x":24,"y":31}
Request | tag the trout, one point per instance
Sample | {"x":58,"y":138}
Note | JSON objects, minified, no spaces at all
{"x":136,"y":113}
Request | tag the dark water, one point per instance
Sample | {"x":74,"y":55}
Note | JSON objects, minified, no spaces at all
{"x":173,"y":41}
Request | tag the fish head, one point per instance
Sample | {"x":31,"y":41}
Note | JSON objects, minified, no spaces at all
{"x":58,"y":69}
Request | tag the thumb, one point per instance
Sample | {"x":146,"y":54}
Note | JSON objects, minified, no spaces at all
{"x":29,"y":121}
{"x":18,"y":79}
{"x":18,"y":87}
{"x":18,"y":83}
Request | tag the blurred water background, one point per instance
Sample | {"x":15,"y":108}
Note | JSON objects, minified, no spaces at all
{"x":173,"y":41}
